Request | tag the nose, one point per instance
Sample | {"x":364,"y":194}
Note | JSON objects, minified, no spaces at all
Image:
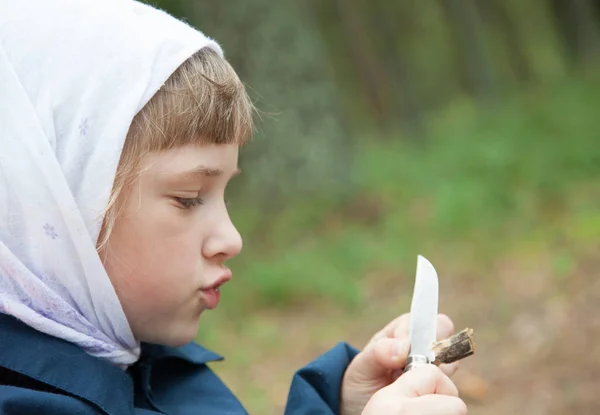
{"x":224,"y":242}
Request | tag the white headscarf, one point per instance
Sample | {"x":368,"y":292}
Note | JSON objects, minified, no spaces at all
{"x":73,"y":73}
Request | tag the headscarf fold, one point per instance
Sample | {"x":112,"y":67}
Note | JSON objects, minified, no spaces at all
{"x":73,"y":74}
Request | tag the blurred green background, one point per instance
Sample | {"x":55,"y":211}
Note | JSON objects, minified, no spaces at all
{"x":463,"y":130}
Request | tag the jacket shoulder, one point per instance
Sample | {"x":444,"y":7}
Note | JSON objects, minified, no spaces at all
{"x":316,"y":388}
{"x":23,"y":401}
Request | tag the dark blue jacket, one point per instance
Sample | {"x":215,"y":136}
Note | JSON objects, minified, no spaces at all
{"x":40,"y":374}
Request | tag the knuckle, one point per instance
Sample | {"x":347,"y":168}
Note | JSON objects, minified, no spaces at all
{"x":407,"y":407}
{"x":403,"y":320}
{"x":381,"y":403}
{"x":430,"y":371}
{"x":434,"y":374}
{"x":402,"y":410}
{"x":450,"y":369}
{"x":430,"y":375}
{"x":460,"y":407}
{"x":447,"y":321}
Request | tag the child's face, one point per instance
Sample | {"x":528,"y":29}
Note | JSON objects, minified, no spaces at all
{"x":167,"y":248}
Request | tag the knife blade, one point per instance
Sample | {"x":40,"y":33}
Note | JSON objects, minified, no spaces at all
{"x":423,"y":315}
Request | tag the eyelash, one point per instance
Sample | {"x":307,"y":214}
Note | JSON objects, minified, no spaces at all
{"x":188,"y":203}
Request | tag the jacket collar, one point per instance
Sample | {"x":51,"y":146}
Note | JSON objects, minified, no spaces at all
{"x":192,"y":353}
{"x":67,"y":367}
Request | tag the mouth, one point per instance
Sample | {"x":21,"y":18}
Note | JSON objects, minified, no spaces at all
{"x":212,"y":293}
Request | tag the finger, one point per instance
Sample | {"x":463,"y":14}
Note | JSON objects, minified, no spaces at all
{"x":445,"y":327}
{"x":391,"y":353}
{"x":436,"y":405}
{"x":381,"y":357}
{"x":390,"y":329}
{"x":401,"y":327}
{"x":450,"y":369}
{"x":424,"y":380}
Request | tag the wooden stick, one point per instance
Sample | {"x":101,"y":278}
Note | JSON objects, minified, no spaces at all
{"x":454,"y":348}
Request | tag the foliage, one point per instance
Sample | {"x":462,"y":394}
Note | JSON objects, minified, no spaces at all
{"x":485,"y":180}
{"x":465,"y":131}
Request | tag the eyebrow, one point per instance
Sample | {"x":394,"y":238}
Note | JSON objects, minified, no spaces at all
{"x":202,"y":171}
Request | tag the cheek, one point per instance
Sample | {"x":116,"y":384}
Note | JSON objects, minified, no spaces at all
{"x":155,"y":251}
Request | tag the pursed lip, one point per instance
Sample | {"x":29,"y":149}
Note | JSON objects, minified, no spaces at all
{"x":211,"y":294}
{"x":225,"y":277}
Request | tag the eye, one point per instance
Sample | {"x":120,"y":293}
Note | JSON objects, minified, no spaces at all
{"x":188,"y":203}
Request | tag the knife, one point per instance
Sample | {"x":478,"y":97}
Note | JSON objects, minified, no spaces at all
{"x":423,"y":315}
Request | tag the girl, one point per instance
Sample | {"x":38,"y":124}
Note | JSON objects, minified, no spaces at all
{"x":119,"y":131}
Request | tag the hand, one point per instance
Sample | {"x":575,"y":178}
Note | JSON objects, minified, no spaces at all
{"x":382,"y":361}
{"x":425,"y":390}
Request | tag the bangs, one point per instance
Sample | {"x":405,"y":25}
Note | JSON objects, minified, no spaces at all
{"x":203,"y":102}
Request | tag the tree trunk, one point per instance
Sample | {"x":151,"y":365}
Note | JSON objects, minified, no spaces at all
{"x":496,"y":13}
{"x":469,"y":33}
{"x":391,"y":25}
{"x":363,"y":55}
{"x":577,"y":22}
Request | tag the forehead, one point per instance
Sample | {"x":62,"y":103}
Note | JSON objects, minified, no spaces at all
{"x":213,"y":158}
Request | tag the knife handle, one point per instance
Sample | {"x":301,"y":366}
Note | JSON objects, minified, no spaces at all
{"x":413,"y":361}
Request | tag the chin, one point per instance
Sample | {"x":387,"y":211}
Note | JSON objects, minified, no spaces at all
{"x":178,"y":336}
{"x":178,"y":343}
{"x":182,"y":338}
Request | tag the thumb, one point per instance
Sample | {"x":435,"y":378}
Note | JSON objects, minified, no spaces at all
{"x":424,"y":380}
{"x":379,"y":358}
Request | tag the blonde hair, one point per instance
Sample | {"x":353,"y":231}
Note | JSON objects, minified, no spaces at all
{"x":203,"y":102}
